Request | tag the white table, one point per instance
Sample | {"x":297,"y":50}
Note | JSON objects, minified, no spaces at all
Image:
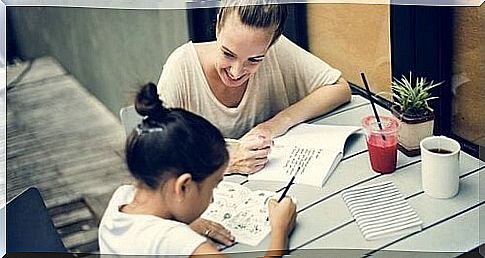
{"x":326,"y":227}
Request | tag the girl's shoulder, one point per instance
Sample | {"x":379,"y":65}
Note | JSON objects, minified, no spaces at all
{"x":147,"y":235}
{"x":164,"y":236}
{"x":122,"y":194}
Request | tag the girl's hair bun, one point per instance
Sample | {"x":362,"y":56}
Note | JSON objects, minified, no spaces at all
{"x":148,"y":104}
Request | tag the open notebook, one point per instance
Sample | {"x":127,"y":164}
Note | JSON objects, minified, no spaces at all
{"x":309,"y":151}
{"x":380,"y":210}
{"x":242,"y":211}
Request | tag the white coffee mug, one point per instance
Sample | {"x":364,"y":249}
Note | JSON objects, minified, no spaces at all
{"x":440,"y":166}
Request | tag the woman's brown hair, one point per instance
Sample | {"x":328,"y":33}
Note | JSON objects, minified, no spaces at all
{"x":256,"y":13}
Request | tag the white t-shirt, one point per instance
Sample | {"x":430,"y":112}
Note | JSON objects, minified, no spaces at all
{"x":287,"y":74}
{"x":122,"y":233}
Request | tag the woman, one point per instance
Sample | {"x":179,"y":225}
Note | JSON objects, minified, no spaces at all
{"x":252,"y":83}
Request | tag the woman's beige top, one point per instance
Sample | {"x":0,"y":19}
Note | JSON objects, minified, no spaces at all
{"x":287,"y":74}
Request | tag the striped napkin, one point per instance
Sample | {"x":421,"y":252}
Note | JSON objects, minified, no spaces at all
{"x":381,"y":211}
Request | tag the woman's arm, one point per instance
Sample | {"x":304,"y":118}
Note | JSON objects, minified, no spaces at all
{"x":314,"y":88}
{"x":319,"y":102}
{"x":251,"y":156}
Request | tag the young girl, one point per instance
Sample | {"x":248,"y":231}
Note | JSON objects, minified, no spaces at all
{"x":177,"y":158}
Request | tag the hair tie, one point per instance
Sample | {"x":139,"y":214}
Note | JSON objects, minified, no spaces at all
{"x":140,"y":130}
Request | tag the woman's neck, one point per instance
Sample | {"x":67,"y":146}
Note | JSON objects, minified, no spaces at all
{"x":229,"y":97}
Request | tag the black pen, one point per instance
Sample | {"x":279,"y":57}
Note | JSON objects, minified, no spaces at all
{"x":286,"y":189}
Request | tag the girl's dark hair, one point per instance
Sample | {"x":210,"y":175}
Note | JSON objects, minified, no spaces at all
{"x":169,"y":142}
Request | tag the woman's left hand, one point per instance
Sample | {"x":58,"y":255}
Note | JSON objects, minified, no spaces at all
{"x":212,"y":230}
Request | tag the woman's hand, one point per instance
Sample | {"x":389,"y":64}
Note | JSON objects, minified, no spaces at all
{"x":272,"y":128}
{"x":212,"y":230}
{"x":250,"y":154}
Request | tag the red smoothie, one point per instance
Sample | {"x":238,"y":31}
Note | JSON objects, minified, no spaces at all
{"x":382,"y":153}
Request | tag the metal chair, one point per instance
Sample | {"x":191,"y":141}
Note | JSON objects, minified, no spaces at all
{"x":129,"y":118}
{"x":29,"y":225}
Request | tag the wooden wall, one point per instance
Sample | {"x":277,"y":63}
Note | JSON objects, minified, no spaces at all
{"x":468,"y":115}
{"x":353,"y":38}
{"x":356,"y":37}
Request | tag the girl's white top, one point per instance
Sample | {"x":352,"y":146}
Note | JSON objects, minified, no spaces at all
{"x":122,"y":233}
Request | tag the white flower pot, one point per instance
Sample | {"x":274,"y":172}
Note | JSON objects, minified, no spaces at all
{"x":412,"y":131}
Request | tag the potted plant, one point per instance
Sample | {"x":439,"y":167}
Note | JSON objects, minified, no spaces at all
{"x":411,"y":107}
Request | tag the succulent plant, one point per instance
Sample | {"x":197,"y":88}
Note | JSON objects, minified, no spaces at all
{"x":412,"y":99}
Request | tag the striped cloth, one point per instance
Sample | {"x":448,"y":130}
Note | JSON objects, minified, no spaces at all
{"x":381,"y":211}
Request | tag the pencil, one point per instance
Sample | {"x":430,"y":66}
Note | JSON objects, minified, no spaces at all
{"x":286,"y":189}
{"x":284,"y":192}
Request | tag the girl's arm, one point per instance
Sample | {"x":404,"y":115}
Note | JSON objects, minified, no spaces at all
{"x":282,"y":217}
{"x":206,"y":249}
{"x":218,"y":232}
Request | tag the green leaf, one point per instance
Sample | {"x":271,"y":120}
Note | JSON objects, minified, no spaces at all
{"x":413,"y":98}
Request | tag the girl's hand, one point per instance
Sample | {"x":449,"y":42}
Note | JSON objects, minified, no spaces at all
{"x":282,"y":216}
{"x":212,"y":230}
{"x":249,"y":155}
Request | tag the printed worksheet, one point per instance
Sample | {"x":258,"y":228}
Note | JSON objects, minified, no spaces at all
{"x":242,"y":211}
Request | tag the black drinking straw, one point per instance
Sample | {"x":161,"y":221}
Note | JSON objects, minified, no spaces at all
{"x":372,"y":103}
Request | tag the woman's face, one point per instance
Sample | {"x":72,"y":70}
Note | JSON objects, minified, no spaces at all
{"x":241,"y":49}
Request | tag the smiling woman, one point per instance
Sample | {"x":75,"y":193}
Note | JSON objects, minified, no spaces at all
{"x":251,"y":82}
